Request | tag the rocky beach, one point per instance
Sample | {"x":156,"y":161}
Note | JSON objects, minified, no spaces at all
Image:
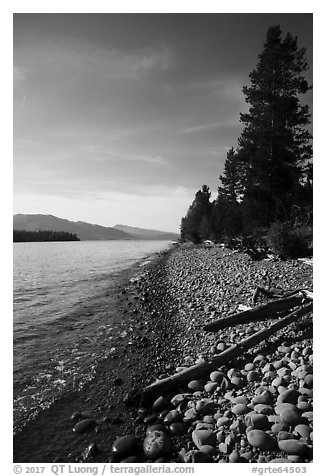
{"x":256,"y":408}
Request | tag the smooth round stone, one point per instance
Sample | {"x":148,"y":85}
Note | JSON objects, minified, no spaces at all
{"x":278,"y":381}
{"x":124,"y":446}
{"x":304,"y":405}
{"x":195,"y":386}
{"x":291,"y":417}
{"x":223,"y":421}
{"x":259,"y":359}
{"x":288,"y":396}
{"x":303,"y":398}
{"x":284,"y":349}
{"x":202,"y":438}
{"x":204,"y":426}
{"x":294,"y":356}
{"x":221,"y":346}
{"x":293,"y":447}
{"x":190,"y":415}
{"x":200,"y":361}
{"x":257,"y":421}
{"x":178,"y":428}
{"x":210,"y":387}
{"x":179,"y":398}
{"x":264,"y":409}
{"x":216,"y":376}
{"x":301,"y":374}
{"x":240,"y":409}
{"x":260,"y":390}
{"x":208,"y":450}
{"x":237,"y":382}
{"x":233,"y":373}
{"x":284,"y":435}
{"x":277,"y":427}
{"x":253,"y":376}
{"x":157,"y":427}
{"x":229,"y":395}
{"x":156,"y":444}
{"x":279,"y":363}
{"x":84,"y":425}
{"x":224,"y":448}
{"x":281,"y":389}
{"x":209,"y":419}
{"x":309,"y":380}
{"x":235,"y":457}
{"x":260,"y":439}
{"x":308,"y":415}
{"x":249,"y":366}
{"x":160,"y":404}
{"x":303,"y":430}
{"x":240,"y":399}
{"x":284,"y":406}
{"x":172,"y":416}
{"x":283,"y":371}
{"x":268,"y":377}
{"x":265,"y":398}
{"x":306,"y":391}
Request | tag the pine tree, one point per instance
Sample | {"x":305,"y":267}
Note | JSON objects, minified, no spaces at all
{"x":195,"y":225}
{"x":231,"y":189}
{"x":274,"y":145}
{"x":226,"y":220}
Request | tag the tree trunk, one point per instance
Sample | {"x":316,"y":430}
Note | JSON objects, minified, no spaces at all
{"x":163,"y":387}
{"x":260,"y":312}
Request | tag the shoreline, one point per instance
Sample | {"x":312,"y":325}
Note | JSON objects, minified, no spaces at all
{"x":165,"y":303}
{"x":29,"y":442}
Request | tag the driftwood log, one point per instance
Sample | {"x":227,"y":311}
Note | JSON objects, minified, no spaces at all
{"x":263,"y":311}
{"x":164,"y":386}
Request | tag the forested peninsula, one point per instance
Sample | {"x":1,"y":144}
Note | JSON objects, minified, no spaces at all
{"x":43,"y":235}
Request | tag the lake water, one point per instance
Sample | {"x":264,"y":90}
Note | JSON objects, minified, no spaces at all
{"x":64,"y":295}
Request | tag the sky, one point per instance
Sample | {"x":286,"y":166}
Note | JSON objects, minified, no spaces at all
{"x":121,"y":118}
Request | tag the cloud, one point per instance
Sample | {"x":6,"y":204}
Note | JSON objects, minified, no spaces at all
{"x":74,"y":59}
{"x":226,"y":89}
{"x":150,"y":159}
{"x":200,"y":127}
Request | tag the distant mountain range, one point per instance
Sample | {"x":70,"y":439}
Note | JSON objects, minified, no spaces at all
{"x":88,"y":231}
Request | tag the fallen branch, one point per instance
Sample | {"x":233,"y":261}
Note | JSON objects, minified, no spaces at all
{"x":261,"y":311}
{"x":163,"y":387}
{"x":274,"y":293}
